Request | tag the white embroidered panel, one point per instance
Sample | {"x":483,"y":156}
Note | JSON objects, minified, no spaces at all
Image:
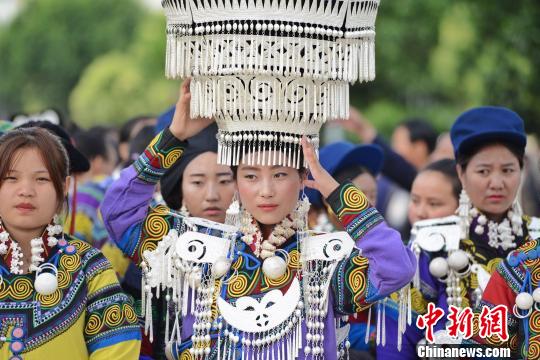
{"x":253,"y":316}
{"x":437,"y":234}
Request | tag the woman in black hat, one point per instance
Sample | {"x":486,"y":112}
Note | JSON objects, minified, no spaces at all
{"x":489,"y":144}
{"x":194,"y":186}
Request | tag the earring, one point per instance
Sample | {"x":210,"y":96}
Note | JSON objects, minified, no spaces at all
{"x":464,"y":212}
{"x":183,"y":210}
{"x":516,"y":218}
{"x":301,"y":211}
{"x":232,"y":215}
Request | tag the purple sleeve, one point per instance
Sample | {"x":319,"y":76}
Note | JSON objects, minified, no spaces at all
{"x":131,"y":222}
{"x":380,"y":265}
{"x":391,"y":264}
{"x":126,"y":203}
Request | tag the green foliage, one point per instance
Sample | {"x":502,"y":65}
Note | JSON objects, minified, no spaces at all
{"x":117,"y":86}
{"x":46,"y":47}
{"x":435,"y":59}
{"x":104,"y":62}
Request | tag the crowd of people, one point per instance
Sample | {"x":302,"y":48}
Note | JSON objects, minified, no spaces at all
{"x":85,"y":205}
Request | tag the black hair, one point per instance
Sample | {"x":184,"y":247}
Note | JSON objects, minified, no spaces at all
{"x":139,"y":142}
{"x":446,"y":167}
{"x":94,"y":142}
{"x":464,"y":156}
{"x":421,"y":130}
{"x":351,"y":172}
{"x":126,"y":128}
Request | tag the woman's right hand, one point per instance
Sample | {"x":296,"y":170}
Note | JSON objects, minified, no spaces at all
{"x":183,"y":126}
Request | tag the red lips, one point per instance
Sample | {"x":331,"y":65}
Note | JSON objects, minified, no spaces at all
{"x":25,"y":206}
{"x":212,"y":211}
{"x":267,"y":207}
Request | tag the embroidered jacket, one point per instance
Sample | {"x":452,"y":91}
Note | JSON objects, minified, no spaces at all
{"x":87,"y":317}
{"x":384,"y":266}
{"x":433,"y":290}
{"x":510,"y":278}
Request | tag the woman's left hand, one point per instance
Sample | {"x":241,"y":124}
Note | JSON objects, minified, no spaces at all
{"x":322,"y":180}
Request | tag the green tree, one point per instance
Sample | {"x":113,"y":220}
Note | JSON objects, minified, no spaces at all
{"x":117,"y":86}
{"x":47,"y":46}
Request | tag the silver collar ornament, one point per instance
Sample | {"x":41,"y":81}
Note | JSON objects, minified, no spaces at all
{"x":186,"y":266}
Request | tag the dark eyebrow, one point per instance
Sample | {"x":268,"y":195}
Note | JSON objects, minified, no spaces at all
{"x":197,"y":175}
{"x":224,"y":174}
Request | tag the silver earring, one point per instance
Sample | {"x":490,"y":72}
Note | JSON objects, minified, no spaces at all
{"x":464,"y":212}
{"x":183,"y":210}
{"x":232,"y":215}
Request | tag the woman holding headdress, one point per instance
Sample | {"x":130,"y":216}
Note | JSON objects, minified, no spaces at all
{"x":489,"y":144}
{"x":58,"y":295}
{"x":264,"y":297}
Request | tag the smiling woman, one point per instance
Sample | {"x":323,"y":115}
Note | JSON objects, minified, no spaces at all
{"x":63,"y":297}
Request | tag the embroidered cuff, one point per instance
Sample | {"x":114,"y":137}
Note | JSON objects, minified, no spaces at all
{"x":353,"y":210}
{"x":159,"y":156}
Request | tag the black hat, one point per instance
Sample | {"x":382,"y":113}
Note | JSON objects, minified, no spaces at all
{"x":78,"y":163}
{"x":204,"y":141}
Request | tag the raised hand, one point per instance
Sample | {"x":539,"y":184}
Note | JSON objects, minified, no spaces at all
{"x":183,"y":126}
{"x":358,"y":124}
{"x":322,"y":180}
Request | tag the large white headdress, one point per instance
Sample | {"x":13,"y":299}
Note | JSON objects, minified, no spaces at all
{"x":270,"y":71}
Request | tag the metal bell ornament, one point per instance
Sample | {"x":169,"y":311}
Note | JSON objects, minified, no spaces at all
{"x":458,"y":260}
{"x":46,"y":283}
{"x":438,"y":267}
{"x":274,"y":267}
{"x":221,"y":267}
{"x":536,"y":295}
{"x":524,"y":301}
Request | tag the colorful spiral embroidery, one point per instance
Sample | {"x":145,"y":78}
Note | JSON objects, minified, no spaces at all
{"x":186,"y":355}
{"x":534,"y":321}
{"x":64,"y":279}
{"x":93,"y":325}
{"x":129,"y":313}
{"x":113,"y":315}
{"x":356,"y":278}
{"x":70,"y":262}
{"x":352,"y":201}
{"x":171,"y":158}
{"x":161,"y":154}
{"x":294,"y":259}
{"x":277,"y":283}
{"x":156,"y":227}
{"x":50,"y":300}
{"x":534,"y":347}
{"x":81,"y":246}
{"x":21,"y":289}
{"x":238,"y":286}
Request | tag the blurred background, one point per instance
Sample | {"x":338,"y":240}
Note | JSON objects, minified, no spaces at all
{"x":101,"y":61}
